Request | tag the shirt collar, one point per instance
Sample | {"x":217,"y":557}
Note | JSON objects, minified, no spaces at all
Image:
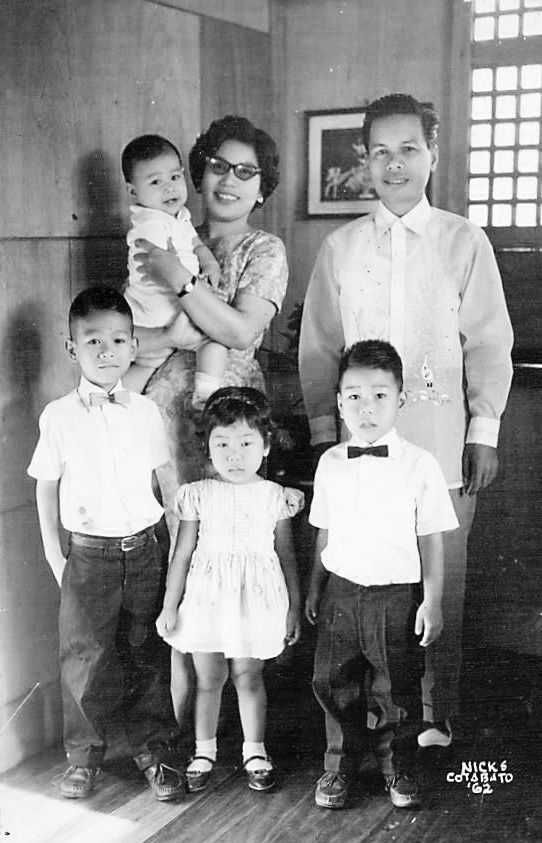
{"x":86,"y":387}
{"x":391,"y":439}
{"x":415,"y":220}
{"x":140,"y":213}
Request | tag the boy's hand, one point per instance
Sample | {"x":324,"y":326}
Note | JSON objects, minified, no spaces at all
{"x":57,"y":564}
{"x":480,"y":465}
{"x":293,"y":627}
{"x":428,"y":622}
{"x":166,"y":621}
{"x":311,"y":606}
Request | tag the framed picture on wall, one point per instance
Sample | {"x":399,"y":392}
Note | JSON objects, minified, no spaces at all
{"x":338,"y":179}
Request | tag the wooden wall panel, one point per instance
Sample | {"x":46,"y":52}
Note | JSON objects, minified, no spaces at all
{"x":521,"y":274}
{"x":80,"y":78}
{"x":505,"y":577}
{"x":254,"y":14}
{"x":134,"y":69}
{"x":35,"y":297}
{"x":236,"y":78}
{"x":97,"y":260}
{"x":332,"y":55}
{"x":34,"y":279}
{"x":35,"y":106}
{"x":28,"y":632}
{"x":83,"y":77}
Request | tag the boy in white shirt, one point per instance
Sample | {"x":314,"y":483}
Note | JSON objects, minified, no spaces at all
{"x":380,"y":505}
{"x":154,"y":174}
{"x":95,"y":465}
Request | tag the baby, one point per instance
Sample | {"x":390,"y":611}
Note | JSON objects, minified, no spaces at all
{"x":154,"y":174}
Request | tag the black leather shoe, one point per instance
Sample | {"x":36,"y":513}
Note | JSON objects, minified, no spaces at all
{"x":78,"y":782}
{"x":166,"y":782}
{"x":403,"y":791}
{"x":331,"y":790}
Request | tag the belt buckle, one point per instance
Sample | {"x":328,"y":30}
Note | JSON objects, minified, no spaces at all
{"x":129,"y":543}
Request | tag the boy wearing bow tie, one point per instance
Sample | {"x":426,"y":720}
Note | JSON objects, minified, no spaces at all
{"x":427,"y":281}
{"x":380,"y":505}
{"x":95,"y":465}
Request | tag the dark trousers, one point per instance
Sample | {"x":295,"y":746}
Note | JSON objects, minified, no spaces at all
{"x":111,"y":658}
{"x":443,"y":659}
{"x":364,"y":629}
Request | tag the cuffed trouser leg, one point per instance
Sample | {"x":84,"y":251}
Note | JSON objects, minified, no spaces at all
{"x":110,"y":655}
{"x":339,"y":668}
{"x":360,"y":627}
{"x":91,"y":678}
{"x":443,"y":658}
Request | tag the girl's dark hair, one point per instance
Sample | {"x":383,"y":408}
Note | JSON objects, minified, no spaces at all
{"x":145,"y":148}
{"x":236,"y":403}
{"x":393,"y":104}
{"x":371,"y":354}
{"x":233,"y":127}
{"x":98,"y":298}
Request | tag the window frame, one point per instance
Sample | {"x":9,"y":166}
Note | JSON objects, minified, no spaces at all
{"x":496,"y":53}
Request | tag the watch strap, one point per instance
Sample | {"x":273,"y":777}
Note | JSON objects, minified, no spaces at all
{"x":189,"y":287}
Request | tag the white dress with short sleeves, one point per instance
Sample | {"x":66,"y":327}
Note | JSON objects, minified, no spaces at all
{"x":235,"y":601}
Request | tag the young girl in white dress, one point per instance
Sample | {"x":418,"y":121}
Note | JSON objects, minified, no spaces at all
{"x":232,"y":597}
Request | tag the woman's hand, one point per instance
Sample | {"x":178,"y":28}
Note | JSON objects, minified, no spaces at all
{"x":161,"y":265}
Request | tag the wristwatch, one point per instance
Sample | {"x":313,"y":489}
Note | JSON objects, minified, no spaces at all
{"x":189,"y":287}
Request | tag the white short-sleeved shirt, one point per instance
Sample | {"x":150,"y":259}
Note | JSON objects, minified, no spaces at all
{"x":103,"y":458}
{"x":152,"y":305}
{"x":374,"y":508}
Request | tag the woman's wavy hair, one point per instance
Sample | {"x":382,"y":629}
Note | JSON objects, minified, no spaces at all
{"x":233,"y":127}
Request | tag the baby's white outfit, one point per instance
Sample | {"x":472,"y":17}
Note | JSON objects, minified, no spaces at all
{"x":235,"y":601}
{"x":153,"y":305}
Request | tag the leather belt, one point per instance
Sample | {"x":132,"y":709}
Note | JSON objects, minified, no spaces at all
{"x":124,"y":543}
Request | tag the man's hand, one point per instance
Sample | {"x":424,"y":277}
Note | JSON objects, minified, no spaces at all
{"x":311,"y":606}
{"x":480,"y":465}
{"x":428,"y":622}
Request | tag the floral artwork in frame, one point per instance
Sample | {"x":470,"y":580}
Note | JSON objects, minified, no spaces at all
{"x":338,"y":179}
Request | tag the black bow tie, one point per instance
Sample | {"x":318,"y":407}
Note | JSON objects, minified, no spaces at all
{"x":373,"y":451}
{"x":97,"y":399}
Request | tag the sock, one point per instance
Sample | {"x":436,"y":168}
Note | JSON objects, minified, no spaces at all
{"x":200,"y":765}
{"x":205,"y":385}
{"x":251,"y":748}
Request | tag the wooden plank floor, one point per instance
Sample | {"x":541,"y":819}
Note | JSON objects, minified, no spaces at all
{"x":122,"y":809}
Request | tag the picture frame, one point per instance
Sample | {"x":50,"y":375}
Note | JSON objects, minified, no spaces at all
{"x":338,"y":179}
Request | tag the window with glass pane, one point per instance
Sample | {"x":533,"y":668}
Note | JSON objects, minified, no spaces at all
{"x":504,"y":187}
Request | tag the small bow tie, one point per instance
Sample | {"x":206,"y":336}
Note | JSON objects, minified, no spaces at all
{"x":121,"y":396}
{"x":372,"y":451}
